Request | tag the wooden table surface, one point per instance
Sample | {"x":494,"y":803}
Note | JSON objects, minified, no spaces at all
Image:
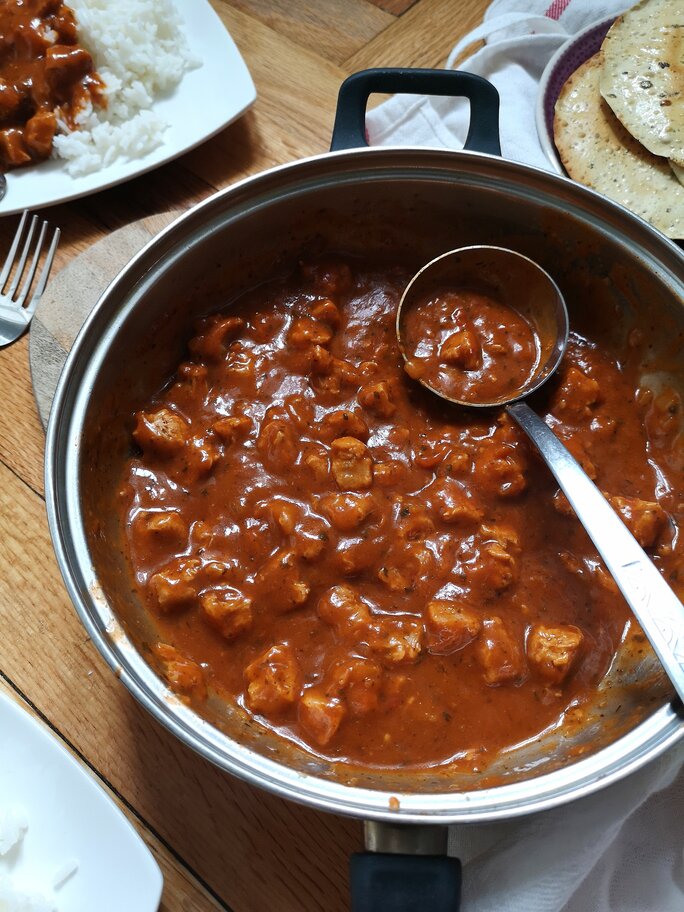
{"x":220,"y":843}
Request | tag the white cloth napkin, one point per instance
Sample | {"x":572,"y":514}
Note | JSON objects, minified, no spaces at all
{"x":521,"y":38}
{"x":620,"y":850}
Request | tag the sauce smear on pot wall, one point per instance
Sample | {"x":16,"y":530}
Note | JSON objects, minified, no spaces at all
{"x":385,"y":579}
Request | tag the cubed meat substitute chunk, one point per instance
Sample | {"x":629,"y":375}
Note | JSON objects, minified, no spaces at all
{"x":352,"y":465}
{"x":305,"y":332}
{"x":10,"y":99}
{"x":277,"y":444}
{"x":377,"y":398}
{"x":326,"y":311}
{"x":279,"y":585}
{"x":450,"y":626}
{"x":161,"y":433}
{"x":462,"y":349}
{"x":12,"y":148}
{"x":320,"y":360}
{"x":274,"y":680}
{"x":175,"y":587}
{"x":496,"y":567}
{"x":182,"y":673}
{"x":343,"y":423}
{"x":39,"y":132}
{"x":360,"y":682}
{"x":214,"y":334}
{"x":283,"y":514}
{"x":310,"y":538}
{"x":320,"y":714}
{"x":315,"y":458}
{"x":397,"y":642}
{"x":500,"y":467}
{"x":200,"y":456}
{"x":645,"y":519}
{"x":413,"y":522}
{"x":228,"y":610}
{"x":499,"y":653}
{"x":164,"y":526}
{"x":66,"y":64}
{"x":576,"y":396}
{"x":232,"y":428}
{"x":407,"y":567}
{"x":455,"y":505}
{"x":343,"y":609}
{"x":347,"y":511}
{"x":553,"y":651}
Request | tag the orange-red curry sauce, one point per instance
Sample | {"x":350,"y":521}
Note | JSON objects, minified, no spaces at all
{"x":44,"y":75}
{"x":387,"y":579}
{"x":469,"y":346}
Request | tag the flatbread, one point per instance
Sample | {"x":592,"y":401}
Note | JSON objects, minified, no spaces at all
{"x":643,"y":75}
{"x":596,"y":150}
{"x":678,"y":172}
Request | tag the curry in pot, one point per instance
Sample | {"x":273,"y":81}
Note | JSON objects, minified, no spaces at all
{"x":379,"y":577}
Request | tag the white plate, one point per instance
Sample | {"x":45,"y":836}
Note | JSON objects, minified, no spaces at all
{"x":207,"y":100}
{"x":70,"y":818}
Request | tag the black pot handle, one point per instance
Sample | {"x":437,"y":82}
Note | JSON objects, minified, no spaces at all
{"x":405,"y":870}
{"x":349,"y":131}
{"x":404,"y":883}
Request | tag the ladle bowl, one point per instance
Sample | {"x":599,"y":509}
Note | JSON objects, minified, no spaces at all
{"x":516,"y":281}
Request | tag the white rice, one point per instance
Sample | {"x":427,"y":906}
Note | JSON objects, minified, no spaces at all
{"x":14,"y":899}
{"x":140,"y":52}
{"x":17,"y":896}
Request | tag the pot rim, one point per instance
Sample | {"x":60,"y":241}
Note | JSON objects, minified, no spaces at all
{"x":645,"y":742}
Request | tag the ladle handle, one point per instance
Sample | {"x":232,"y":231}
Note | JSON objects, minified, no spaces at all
{"x":655,"y":606}
{"x":349,"y":131}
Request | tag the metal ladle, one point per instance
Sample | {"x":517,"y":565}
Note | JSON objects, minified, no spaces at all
{"x":516,"y":279}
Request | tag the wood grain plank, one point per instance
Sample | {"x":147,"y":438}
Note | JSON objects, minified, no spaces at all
{"x":81,"y":223}
{"x":396,"y":7}
{"x":295,"y":107}
{"x":253,"y":850}
{"x":334,"y":30}
{"x":182,"y":890}
{"x":21,"y":436}
{"x":423,"y":36}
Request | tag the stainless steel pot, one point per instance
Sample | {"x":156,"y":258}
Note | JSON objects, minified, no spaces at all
{"x":412,"y":204}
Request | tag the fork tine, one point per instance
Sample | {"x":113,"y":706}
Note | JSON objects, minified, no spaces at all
{"x":7,"y":268}
{"x":24,"y":254}
{"x":32,"y":268}
{"x":45,"y":273}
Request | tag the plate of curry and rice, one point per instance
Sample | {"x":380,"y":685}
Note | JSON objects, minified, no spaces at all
{"x":610,"y":111}
{"x":95,"y":92}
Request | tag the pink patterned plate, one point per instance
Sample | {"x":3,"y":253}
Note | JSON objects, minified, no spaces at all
{"x":562,"y":65}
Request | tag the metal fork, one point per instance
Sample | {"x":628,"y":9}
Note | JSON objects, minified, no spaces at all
{"x":16,"y":308}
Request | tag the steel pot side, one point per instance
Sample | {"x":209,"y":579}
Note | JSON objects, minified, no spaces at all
{"x":409,"y":204}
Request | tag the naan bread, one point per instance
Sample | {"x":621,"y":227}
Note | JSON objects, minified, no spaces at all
{"x":596,"y":150}
{"x":678,"y":172}
{"x":643,"y":75}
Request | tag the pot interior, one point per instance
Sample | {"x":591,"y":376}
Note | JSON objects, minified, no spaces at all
{"x":407,"y":207}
